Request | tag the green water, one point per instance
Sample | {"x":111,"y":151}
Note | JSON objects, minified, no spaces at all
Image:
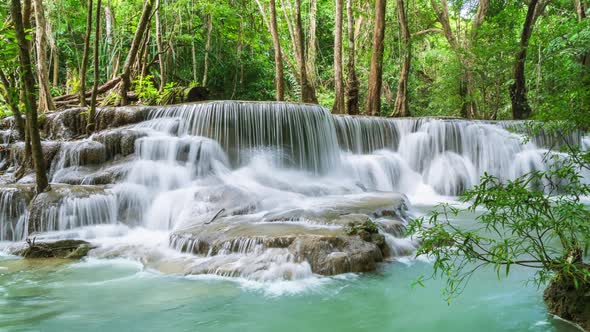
{"x":117,"y":295}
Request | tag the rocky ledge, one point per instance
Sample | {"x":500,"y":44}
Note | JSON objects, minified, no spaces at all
{"x":352,"y":236}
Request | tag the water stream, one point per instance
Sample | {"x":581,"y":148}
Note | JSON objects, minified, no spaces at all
{"x":195,"y":227}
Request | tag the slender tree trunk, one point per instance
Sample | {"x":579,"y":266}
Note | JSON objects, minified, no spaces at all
{"x":402,"y":107}
{"x":338,"y":107}
{"x":376,"y":73}
{"x":160,"y":48}
{"x":108,"y":27}
{"x":91,"y":123}
{"x":312,"y":45}
{"x":56,"y":67}
{"x":45,"y":99}
{"x":581,"y":8}
{"x":279,"y":78}
{"x":30,"y":103}
{"x":207,"y":49}
{"x":352,"y":82}
{"x":271,"y":23}
{"x":85,"y":54}
{"x":12,"y":99}
{"x":518,"y":91}
{"x":307,"y":90}
{"x":131,"y":56}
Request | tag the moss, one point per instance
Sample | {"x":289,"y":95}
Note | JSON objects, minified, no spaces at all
{"x":368,"y":226}
{"x":71,"y":249}
{"x":569,"y":301}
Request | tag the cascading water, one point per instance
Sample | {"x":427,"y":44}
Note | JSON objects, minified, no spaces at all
{"x":250,"y":188}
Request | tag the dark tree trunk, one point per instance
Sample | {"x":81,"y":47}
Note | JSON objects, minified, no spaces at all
{"x":307,"y":90}
{"x":92,"y":112}
{"x":518,"y":91}
{"x":352,"y":82}
{"x":279,"y":78}
{"x":30,"y":101}
{"x":132,"y":55}
{"x":376,"y":73}
{"x":338,"y":107}
{"x":402,"y":107}
{"x":85,"y":54}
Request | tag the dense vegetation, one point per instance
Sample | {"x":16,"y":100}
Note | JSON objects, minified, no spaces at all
{"x":457,"y":58}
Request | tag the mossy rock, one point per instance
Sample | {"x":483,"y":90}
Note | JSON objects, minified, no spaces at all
{"x":70,"y":249}
{"x":569,"y":302}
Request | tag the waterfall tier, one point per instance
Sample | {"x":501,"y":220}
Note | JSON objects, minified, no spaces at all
{"x":252,"y":189}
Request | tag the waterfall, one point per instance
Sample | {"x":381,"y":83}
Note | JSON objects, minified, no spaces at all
{"x":13,"y":214}
{"x":239,"y":183}
{"x":301,"y":136}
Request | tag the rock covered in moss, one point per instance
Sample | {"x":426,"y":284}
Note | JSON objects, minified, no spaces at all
{"x":69,"y":249}
{"x":568,"y":301}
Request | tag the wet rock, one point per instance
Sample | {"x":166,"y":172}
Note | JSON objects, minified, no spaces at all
{"x":49,"y":148}
{"x":338,"y":254}
{"x":328,"y":250}
{"x":7,"y":136}
{"x":109,"y":173}
{"x":569,"y":302}
{"x":72,"y":122}
{"x":66,"y":206}
{"x":79,"y":153}
{"x":69,"y":249}
{"x":119,"y":141}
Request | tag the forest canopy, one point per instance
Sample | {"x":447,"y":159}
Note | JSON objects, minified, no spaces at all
{"x":402,"y":57}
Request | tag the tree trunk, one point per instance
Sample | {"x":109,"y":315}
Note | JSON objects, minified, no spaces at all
{"x":12,"y":99}
{"x":307,"y":90}
{"x":30,"y":102}
{"x":352,"y":82}
{"x":45,"y":101}
{"x":376,"y":73}
{"x":56,"y":67}
{"x":518,"y":92}
{"x":467,"y":83}
{"x":279,"y":78}
{"x":401,"y":107}
{"x":207,"y":49}
{"x":85,"y":54}
{"x":338,"y":107}
{"x":91,"y":123}
{"x":312,"y":44}
{"x":131,"y":56}
{"x":160,"y":48}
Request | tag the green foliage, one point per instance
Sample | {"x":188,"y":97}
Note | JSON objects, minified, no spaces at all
{"x":538,"y":220}
{"x":145,"y":90}
{"x":368,"y":226}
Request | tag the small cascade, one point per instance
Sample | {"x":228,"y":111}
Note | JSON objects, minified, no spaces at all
{"x":303,"y":135}
{"x":76,"y":153}
{"x":13,"y":214}
{"x":75,"y":212}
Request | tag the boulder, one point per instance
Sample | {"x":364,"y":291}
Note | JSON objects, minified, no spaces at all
{"x":49,"y":148}
{"x":119,"y":141}
{"x":68,"y":249}
{"x":71,"y":123}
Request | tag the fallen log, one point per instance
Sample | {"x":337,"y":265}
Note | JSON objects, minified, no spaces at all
{"x":101,"y":89}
